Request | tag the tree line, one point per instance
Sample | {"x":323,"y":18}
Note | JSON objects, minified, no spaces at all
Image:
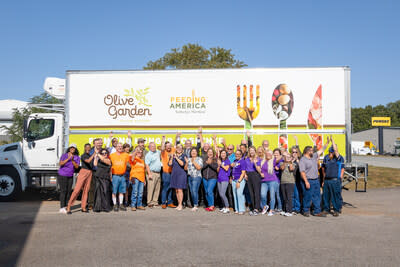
{"x":361,"y":117}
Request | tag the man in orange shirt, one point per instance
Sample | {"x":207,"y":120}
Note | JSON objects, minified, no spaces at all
{"x":119,"y":161}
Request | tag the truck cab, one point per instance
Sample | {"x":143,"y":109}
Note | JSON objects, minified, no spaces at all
{"x":33,"y":162}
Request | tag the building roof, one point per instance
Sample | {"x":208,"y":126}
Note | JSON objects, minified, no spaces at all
{"x":7,"y":106}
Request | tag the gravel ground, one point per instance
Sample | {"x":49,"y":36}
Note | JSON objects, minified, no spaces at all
{"x":366,"y":234}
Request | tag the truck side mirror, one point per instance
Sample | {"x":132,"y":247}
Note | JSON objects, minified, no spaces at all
{"x":25,"y":133}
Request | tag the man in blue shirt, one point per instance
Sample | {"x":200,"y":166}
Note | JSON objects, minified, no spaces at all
{"x":332,"y":173}
{"x":153,"y":166}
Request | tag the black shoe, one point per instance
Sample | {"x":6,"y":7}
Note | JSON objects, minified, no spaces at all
{"x":69,"y":212}
{"x":122,"y":208}
{"x":306,"y":214}
{"x":115,"y":208}
{"x":335,"y":214}
{"x":85,"y":211}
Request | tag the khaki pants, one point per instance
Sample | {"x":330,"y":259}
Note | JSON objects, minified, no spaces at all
{"x":153,"y":189}
{"x":82,"y":183}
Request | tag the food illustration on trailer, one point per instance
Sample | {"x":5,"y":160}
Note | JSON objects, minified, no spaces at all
{"x":314,"y":120}
{"x":248,"y":114}
{"x":282,"y":106}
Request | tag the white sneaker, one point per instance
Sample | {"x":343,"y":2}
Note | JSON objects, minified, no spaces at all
{"x":270,"y":213}
{"x":195,"y":208}
{"x":63,"y":210}
{"x":225,"y":210}
{"x":282,"y":213}
{"x":264,"y":211}
{"x":288,"y":214}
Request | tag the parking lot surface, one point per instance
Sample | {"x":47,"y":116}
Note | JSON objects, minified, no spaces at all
{"x":379,"y":161}
{"x":33,"y":233}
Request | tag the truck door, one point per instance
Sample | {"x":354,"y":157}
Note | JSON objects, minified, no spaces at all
{"x":40,"y":145}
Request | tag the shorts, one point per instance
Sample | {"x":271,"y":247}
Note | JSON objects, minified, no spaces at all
{"x":118,"y":184}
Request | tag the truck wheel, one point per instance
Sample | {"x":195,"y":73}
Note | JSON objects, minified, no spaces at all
{"x":10,"y":184}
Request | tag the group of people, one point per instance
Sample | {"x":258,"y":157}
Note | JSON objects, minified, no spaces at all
{"x":254,"y":179}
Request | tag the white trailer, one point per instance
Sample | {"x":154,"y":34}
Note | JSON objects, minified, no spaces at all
{"x":272,"y":103}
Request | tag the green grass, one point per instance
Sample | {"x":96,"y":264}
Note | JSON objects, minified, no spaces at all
{"x":380,"y":177}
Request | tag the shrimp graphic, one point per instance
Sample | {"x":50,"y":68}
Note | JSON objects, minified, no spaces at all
{"x":248,"y":114}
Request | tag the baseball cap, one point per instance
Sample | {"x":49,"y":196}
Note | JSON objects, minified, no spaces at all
{"x":73,"y":145}
{"x":331,"y":150}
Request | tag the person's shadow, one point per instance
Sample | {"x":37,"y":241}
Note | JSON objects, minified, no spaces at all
{"x":348,"y":205}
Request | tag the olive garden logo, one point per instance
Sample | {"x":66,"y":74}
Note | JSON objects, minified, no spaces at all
{"x":188,"y":104}
{"x":131,"y":104}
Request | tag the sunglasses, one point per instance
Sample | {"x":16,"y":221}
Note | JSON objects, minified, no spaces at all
{"x":229,"y":149}
{"x":104,"y":153}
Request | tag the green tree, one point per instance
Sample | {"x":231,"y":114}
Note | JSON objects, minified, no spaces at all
{"x":361,"y":117}
{"x":194,"y":56}
{"x":15,"y":131}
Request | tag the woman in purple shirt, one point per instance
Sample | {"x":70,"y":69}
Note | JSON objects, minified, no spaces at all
{"x":224,"y":170}
{"x":238,"y":182}
{"x":69,"y":162}
{"x":269,"y":181}
{"x":253,"y":180}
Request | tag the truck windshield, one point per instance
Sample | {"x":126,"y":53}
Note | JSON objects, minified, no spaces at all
{"x":40,"y":129}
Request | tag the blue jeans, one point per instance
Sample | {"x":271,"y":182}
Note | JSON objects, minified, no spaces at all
{"x":339,"y":184}
{"x":137,"y":193}
{"x":166,"y":190}
{"x":246,"y":193}
{"x":238,"y":196}
{"x":194,"y":184}
{"x":296,"y":197}
{"x":331,"y":193}
{"x":209,"y":185}
{"x":311,"y":195}
{"x":271,"y":186}
{"x":278,"y":197}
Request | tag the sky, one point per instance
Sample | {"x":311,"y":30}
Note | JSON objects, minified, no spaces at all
{"x":40,"y":39}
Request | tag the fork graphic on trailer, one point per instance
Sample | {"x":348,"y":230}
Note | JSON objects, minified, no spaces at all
{"x":248,"y":113}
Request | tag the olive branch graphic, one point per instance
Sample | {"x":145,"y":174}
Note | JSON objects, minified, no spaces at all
{"x":139,"y":95}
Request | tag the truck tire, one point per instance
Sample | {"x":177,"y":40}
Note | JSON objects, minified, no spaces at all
{"x":10,"y":184}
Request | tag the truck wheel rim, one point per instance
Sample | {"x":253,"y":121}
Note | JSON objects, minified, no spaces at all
{"x":7,"y":185}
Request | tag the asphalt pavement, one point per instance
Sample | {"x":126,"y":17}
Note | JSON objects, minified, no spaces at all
{"x":379,"y":161}
{"x":367,"y":233}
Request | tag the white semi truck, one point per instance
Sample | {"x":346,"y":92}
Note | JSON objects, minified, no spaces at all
{"x":277,"y":104}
